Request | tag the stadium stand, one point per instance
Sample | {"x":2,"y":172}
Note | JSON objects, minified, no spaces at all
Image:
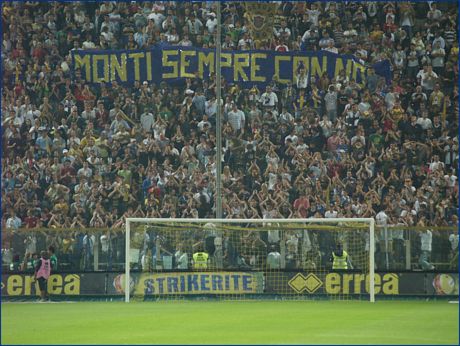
{"x":76,"y":156}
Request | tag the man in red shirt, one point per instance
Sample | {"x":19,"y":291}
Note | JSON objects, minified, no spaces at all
{"x":302,"y":204}
{"x":30,"y":220}
{"x":67,"y":172}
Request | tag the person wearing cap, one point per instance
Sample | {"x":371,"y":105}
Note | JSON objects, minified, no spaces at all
{"x":211,"y":23}
{"x":310,"y":37}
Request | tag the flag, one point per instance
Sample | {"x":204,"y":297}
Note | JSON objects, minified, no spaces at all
{"x":260,"y":18}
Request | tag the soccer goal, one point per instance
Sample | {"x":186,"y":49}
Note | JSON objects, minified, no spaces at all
{"x":247,"y":258}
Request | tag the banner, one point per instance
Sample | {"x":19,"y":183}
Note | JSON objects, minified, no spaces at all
{"x":190,"y":283}
{"x":58,"y":284}
{"x":230,"y":283}
{"x":338,"y":283}
{"x":247,"y":68}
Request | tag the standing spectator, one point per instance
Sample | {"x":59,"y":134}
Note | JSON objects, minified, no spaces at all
{"x":42,"y":273}
{"x":195,"y":26}
{"x":427,"y":78}
{"x":437,"y":58}
{"x":236,"y":119}
{"x":426,"y":238}
{"x":301,"y":79}
{"x":211,"y":23}
{"x":147,"y":121}
{"x":53,"y":258}
{"x":273,"y":258}
{"x":269,"y":99}
{"x":330,"y":102}
{"x":453,"y":239}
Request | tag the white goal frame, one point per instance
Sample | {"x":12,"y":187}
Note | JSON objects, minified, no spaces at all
{"x":369,"y":221}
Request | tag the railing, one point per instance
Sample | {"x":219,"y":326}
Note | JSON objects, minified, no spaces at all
{"x":102,"y":249}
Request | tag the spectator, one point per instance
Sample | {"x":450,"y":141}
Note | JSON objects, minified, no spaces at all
{"x":426,"y":238}
{"x":236,"y":119}
{"x":13,"y":221}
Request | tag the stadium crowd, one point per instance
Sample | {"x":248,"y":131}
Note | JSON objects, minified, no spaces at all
{"x":80,"y":156}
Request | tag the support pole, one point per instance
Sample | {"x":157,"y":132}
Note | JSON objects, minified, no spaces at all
{"x":371,"y":260}
{"x":218,"y":118}
{"x":127,"y":259}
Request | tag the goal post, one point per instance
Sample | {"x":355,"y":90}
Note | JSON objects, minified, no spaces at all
{"x":294,"y":242}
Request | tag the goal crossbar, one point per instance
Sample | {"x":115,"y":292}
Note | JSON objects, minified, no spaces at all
{"x":369,"y":221}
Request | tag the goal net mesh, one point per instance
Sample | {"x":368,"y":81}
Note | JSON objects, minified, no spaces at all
{"x":237,"y":260}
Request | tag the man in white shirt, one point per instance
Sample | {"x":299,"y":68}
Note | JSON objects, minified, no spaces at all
{"x":181,"y":257}
{"x":211,"y":107}
{"x":330,"y":103}
{"x":85,"y":170}
{"x":424,"y":121}
{"x":273,"y":259}
{"x":426,"y":239}
{"x":13,"y":222}
{"x":439,"y":39}
{"x":330,"y":47}
{"x":147,"y":121}
{"x":450,"y":152}
{"x":310,"y":33}
{"x":436,"y":163}
{"x":325,"y":40}
{"x":453,"y":239}
{"x":195,"y":26}
{"x":211,"y":23}
{"x":313,"y":14}
{"x":381,"y":218}
{"x":428,"y":78}
{"x":88,"y":43}
{"x":286,"y":117}
{"x":204,"y":122}
{"x":437,"y":58}
{"x":283,"y":32}
{"x":236,"y":119}
{"x":330,"y":213}
{"x":157,"y":18}
{"x":269,"y":99}
{"x":245,"y":42}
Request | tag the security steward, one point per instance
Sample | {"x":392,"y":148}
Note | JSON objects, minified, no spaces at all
{"x":340,"y":259}
{"x":200,"y":260}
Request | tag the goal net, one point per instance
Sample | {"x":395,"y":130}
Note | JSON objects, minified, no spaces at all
{"x":248,"y":258}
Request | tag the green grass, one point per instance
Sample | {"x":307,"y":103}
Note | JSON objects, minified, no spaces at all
{"x":231,"y":322}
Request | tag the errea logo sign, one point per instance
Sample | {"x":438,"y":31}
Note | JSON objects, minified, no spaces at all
{"x":345,"y":283}
{"x":309,"y":283}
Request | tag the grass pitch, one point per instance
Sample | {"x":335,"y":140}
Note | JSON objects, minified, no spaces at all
{"x":231,"y":322}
